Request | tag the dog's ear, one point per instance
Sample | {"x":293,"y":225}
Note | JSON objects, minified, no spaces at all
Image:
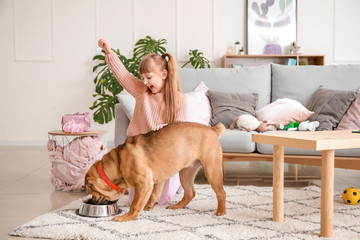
{"x":88,"y":181}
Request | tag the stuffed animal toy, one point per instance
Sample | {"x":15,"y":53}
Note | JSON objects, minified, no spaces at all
{"x":351,"y":196}
{"x":294,"y":48}
{"x":308,"y":126}
{"x":299,"y":126}
{"x":249,"y":123}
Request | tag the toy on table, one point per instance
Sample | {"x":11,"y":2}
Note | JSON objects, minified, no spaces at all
{"x":299,"y":126}
{"x":249,"y":123}
{"x":351,"y":196}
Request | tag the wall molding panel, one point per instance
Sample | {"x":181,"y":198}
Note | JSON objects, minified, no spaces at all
{"x":133,"y":22}
{"x":115,"y":22}
{"x":346,"y":18}
{"x":34,"y":30}
{"x":197,"y":43}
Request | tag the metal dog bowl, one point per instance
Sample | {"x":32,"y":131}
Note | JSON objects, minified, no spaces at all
{"x":90,"y":209}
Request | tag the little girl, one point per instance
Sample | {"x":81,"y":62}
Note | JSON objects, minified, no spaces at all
{"x":158,"y":96}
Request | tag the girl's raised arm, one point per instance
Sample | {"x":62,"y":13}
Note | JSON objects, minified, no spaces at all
{"x":133,"y":85}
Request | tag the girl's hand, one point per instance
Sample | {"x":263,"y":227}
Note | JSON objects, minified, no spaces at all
{"x":104,"y":44}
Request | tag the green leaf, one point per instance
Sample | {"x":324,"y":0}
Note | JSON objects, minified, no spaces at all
{"x":99,"y":57}
{"x":104,"y":108}
{"x":197,"y":59}
{"x":99,"y":65}
{"x":147,"y":46}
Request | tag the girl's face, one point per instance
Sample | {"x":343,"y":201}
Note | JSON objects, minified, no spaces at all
{"x":155,"y":80}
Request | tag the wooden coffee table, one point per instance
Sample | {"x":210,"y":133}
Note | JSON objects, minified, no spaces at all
{"x":327,"y":142}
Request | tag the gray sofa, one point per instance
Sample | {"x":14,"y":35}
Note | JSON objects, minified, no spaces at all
{"x":271,"y":82}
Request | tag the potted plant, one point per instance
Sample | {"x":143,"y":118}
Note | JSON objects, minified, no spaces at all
{"x":242,"y":52}
{"x":237,"y":48}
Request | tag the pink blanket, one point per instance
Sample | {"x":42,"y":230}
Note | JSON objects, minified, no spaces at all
{"x":70,"y":164}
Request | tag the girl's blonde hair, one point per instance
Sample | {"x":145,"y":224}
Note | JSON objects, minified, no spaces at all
{"x":172,"y":85}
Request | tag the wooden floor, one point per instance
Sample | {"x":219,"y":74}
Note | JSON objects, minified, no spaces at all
{"x":26,"y":191}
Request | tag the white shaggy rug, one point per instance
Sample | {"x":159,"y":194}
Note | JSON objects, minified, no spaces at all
{"x":249,"y":214}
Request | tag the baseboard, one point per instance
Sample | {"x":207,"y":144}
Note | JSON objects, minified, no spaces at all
{"x":35,"y":143}
{"x":15,"y":143}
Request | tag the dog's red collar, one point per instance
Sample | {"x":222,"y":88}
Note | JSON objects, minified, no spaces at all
{"x":107,"y":180}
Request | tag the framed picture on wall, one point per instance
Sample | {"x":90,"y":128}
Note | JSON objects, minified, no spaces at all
{"x":271,"y":26}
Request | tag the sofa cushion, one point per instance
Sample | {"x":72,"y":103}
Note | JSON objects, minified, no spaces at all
{"x":227,"y":106}
{"x":329,"y":106}
{"x":300,"y":82}
{"x":351,"y":118}
{"x":198,"y":108}
{"x":237,"y":141}
{"x":244,"y":80}
{"x":283,"y":111}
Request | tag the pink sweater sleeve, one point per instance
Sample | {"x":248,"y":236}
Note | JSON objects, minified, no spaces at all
{"x":133,"y":85}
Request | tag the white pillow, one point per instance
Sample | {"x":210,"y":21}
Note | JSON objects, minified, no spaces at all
{"x":198,"y":108}
{"x":127,"y":103}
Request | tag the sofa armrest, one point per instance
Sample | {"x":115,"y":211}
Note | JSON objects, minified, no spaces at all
{"x":124,"y":111}
{"x":121,"y":125}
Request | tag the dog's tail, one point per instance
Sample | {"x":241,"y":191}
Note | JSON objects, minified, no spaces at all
{"x":219,"y":128}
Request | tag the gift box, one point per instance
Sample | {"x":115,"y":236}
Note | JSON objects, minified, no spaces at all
{"x":76,"y":123}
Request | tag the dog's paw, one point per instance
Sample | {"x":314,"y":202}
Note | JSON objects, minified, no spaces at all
{"x":124,"y":218}
{"x":175,"y":206}
{"x":149,"y":206}
{"x":220,"y":212}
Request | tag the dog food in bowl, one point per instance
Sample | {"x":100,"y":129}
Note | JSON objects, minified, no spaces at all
{"x":92,"y":209}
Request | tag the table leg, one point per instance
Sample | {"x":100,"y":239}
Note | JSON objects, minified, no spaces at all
{"x":327,"y":192}
{"x":278,"y":184}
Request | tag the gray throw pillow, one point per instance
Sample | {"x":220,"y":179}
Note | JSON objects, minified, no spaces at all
{"x":227,"y":106}
{"x":329,"y":106}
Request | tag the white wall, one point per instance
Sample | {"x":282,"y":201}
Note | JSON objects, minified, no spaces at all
{"x":47,"y":47}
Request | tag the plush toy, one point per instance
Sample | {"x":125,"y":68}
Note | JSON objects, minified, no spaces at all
{"x":351,"y":196}
{"x":308,"y":126}
{"x":299,"y":126}
{"x":249,"y":123}
{"x":294,"y":48}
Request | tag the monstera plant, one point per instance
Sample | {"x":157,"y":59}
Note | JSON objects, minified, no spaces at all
{"x":106,"y":85}
{"x":197,"y":59}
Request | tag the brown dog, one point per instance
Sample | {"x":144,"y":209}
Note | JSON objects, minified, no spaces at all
{"x":146,"y":161}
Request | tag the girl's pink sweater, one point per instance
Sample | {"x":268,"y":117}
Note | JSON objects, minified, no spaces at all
{"x":149,"y":112}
